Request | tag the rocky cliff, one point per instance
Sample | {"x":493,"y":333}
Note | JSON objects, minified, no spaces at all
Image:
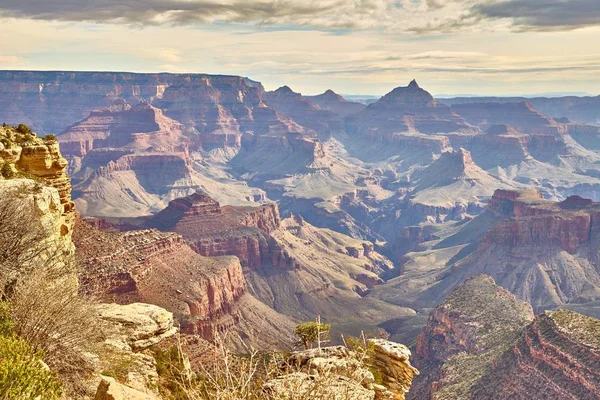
{"x":462,"y":335}
{"x":302,"y":110}
{"x":38,"y":97}
{"x":544,"y":252}
{"x":297,"y":269}
{"x":204,"y":293}
{"x":557,"y":356}
{"x":580,"y":109}
{"x":214,"y":231}
{"x":481,"y":343}
{"x":24,"y":155}
{"x":521,"y":116}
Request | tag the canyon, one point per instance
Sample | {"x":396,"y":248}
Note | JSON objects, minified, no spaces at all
{"x":240,"y":209}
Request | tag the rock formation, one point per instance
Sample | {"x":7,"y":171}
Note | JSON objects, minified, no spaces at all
{"x":304,"y":112}
{"x":555,"y":357}
{"x":481,"y":343}
{"x":297,"y":269}
{"x":332,"y":101}
{"x":579,"y":109}
{"x":521,"y":116}
{"x":474,"y":319}
{"x":542,"y":251}
{"x":204,"y":293}
{"x":338,"y":373}
{"x":406,"y":109}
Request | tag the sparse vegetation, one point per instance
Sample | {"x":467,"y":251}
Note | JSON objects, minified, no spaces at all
{"x":38,"y":278}
{"x":310,"y":332}
{"x":22,"y":373}
{"x":24,"y":129}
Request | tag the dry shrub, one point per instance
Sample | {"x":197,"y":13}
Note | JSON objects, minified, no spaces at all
{"x":22,"y":238}
{"x":39,"y":280}
{"x":57,"y":322}
{"x":243,"y":376}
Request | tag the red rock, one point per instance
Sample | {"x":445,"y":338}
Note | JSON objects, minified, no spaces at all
{"x":212,"y":230}
{"x":539,"y":222}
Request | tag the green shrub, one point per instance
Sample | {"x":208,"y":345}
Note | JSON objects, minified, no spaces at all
{"x":50,"y":137}
{"x":7,"y":171}
{"x":309,"y":333}
{"x":6,"y":323}
{"x":24,"y":129}
{"x":22,"y":373}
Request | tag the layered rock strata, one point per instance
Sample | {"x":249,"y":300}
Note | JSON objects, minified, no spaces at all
{"x":463,"y":337}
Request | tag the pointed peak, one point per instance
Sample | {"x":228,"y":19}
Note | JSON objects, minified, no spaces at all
{"x":412,"y":94}
{"x":284,"y":89}
{"x":330,"y":92}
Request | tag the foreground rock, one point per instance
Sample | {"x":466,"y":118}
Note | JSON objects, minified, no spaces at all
{"x":110,"y":389}
{"x":138,"y":325}
{"x":341,"y":374}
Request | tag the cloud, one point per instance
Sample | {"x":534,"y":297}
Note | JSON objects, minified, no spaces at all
{"x":543,"y":14}
{"x":408,"y":16}
{"x":418,"y":16}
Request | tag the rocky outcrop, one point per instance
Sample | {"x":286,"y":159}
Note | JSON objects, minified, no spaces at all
{"x":110,"y":389}
{"x":393,"y":361}
{"x":537,"y":222}
{"x":214,"y":231}
{"x":123,"y":126}
{"x":140,"y":266}
{"x":339,"y":373}
{"x":481,"y":343}
{"x":206,"y":294}
{"x":138,"y":146}
{"x":462,"y":334}
{"x":24,"y":155}
{"x":126,"y":369}
{"x":138,"y":326}
{"x":297,"y":269}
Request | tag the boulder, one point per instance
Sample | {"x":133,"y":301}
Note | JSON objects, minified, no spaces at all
{"x":138,"y":325}
{"x":110,"y":389}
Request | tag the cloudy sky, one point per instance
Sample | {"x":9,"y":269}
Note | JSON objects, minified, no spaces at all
{"x":503,"y":47}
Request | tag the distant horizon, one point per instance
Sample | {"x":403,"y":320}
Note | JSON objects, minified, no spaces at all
{"x":479,"y":47}
{"x":347,"y":96}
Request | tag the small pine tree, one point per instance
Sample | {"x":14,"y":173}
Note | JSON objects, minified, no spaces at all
{"x":311,"y":332}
